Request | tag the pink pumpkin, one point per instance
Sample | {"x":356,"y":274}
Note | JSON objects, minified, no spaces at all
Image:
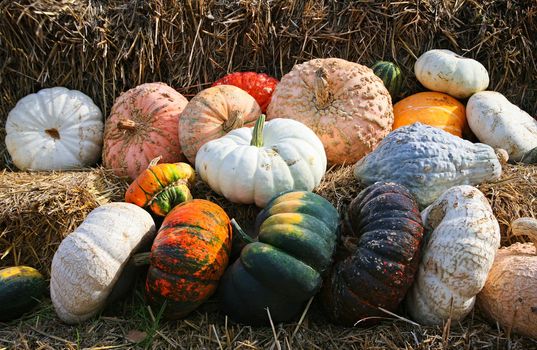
{"x":143,"y":125}
{"x":343,"y":102}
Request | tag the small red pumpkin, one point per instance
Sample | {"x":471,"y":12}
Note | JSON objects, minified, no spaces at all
{"x":259,"y":85}
{"x":188,"y":257}
{"x":161,"y":187}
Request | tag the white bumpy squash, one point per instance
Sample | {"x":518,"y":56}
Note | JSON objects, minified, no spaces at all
{"x":91,"y":267}
{"x":445,"y":71}
{"x":428,"y":161}
{"x":499,"y":123}
{"x":462,"y":239}
{"x":252,"y":165}
{"x":54,"y":129}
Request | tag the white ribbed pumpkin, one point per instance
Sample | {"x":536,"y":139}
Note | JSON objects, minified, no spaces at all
{"x":54,"y":129}
{"x":501,"y":124}
{"x":93,"y":259}
{"x":282,"y":155}
{"x":462,"y":237}
{"x":445,"y":71}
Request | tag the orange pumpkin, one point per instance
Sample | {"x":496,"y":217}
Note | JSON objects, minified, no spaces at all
{"x":431,"y":108}
{"x":343,"y":102}
{"x":212,"y":113}
{"x":161,"y":187}
{"x":143,"y":124}
{"x":188,"y":257}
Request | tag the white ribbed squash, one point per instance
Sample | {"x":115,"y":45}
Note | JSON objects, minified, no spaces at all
{"x":282,"y":155}
{"x":462,"y":237}
{"x":54,"y":129}
{"x":445,"y":71}
{"x":499,"y":123}
{"x":428,"y":161}
{"x":91,"y":261}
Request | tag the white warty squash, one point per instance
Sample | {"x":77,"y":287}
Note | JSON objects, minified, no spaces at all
{"x":462,"y":237}
{"x":499,"y":123}
{"x":54,"y":129}
{"x":428,"y":161}
{"x":445,"y":71}
{"x":282,"y":155}
{"x":92,"y":260}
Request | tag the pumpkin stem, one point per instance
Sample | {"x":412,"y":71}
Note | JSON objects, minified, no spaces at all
{"x":243,"y":236}
{"x":54,"y":133}
{"x":234,"y":121}
{"x":126,"y":124}
{"x":525,"y":227}
{"x":141,"y":259}
{"x":502,"y":155}
{"x":321,"y":88}
{"x":154,"y":162}
{"x":257,"y":134}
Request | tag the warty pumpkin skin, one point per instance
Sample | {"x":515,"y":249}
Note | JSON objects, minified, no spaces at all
{"x":143,"y":125}
{"x":54,"y":129}
{"x":343,"y":102}
{"x":509,"y":296}
{"x":213,"y":113}
{"x":461,"y":239}
{"x":161,"y":187}
{"x":91,"y":266}
{"x":428,"y":161}
{"x":258,"y":85}
{"x":296,"y":239}
{"x":384,"y":232}
{"x":21,"y":287}
{"x":431,"y":108}
{"x":188,"y":257}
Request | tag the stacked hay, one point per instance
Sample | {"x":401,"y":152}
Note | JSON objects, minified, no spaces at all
{"x":37,"y":210}
{"x":105,"y":47}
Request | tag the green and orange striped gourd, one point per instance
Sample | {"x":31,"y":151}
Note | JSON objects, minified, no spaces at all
{"x":188,"y":257}
{"x":161,"y":187}
{"x":21,"y":287}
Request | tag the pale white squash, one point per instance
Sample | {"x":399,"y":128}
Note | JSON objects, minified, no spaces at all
{"x":499,"y":123}
{"x":462,"y":237}
{"x":54,"y":129}
{"x":283,"y":155}
{"x":445,"y":71}
{"x":92,"y":260}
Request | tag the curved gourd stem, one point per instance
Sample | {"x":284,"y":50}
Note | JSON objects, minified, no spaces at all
{"x":321,"y":88}
{"x":525,"y":227}
{"x":154,"y":162}
{"x":126,"y":124}
{"x":257,"y":134}
{"x":242,"y":235}
{"x":502,"y":155}
{"x":141,"y":259}
{"x":234,"y":121}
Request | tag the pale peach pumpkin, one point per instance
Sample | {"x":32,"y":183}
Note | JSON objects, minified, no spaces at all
{"x":343,"y":102}
{"x":212,"y":113}
{"x":431,"y":108}
{"x":143,"y":125}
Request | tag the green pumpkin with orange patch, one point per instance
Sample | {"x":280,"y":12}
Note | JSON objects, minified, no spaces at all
{"x":188,"y":257}
{"x":21,"y":287}
{"x":297,"y":234}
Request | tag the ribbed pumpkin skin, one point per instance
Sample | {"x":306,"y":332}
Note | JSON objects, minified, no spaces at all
{"x":161,"y":187}
{"x":20,"y":289}
{"x":384,"y":221}
{"x":259,"y":85}
{"x":391,"y":76}
{"x":188,"y":257}
{"x":297,"y":236}
{"x":143,"y":124}
{"x":431,"y":108}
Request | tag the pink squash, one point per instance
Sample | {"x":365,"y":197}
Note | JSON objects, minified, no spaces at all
{"x":212,"y":113}
{"x":343,"y":102}
{"x":143,"y":125}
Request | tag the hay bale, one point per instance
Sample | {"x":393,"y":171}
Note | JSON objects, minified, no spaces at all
{"x":105,"y":47}
{"x":37,"y":210}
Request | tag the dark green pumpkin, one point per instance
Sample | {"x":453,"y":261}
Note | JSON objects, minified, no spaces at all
{"x":390,"y":75}
{"x":21,"y":287}
{"x":297,"y":234}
